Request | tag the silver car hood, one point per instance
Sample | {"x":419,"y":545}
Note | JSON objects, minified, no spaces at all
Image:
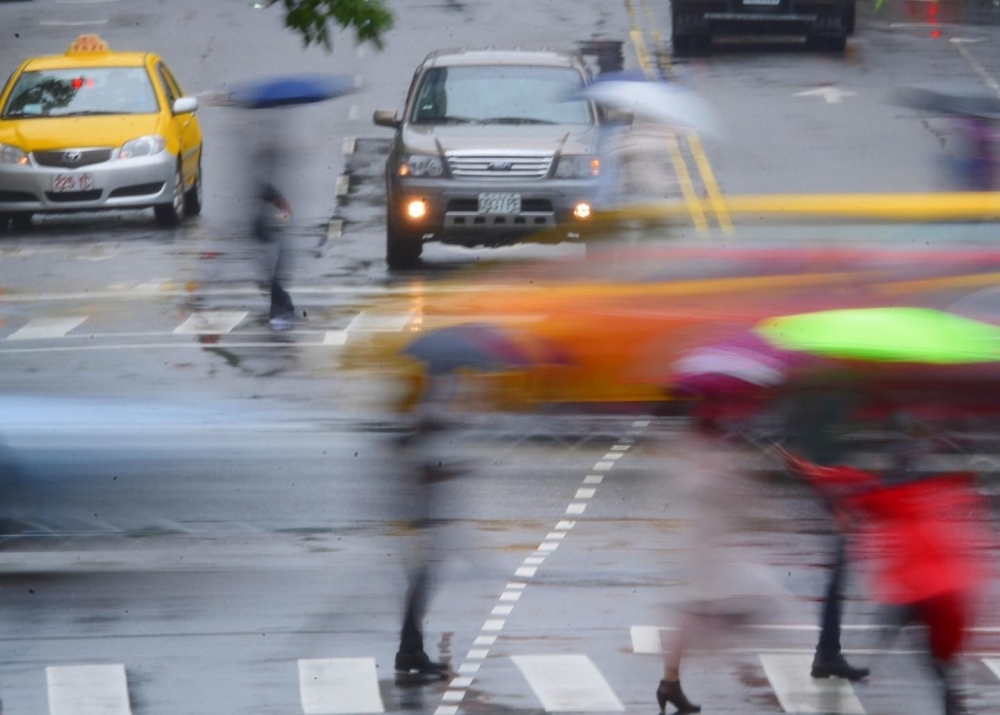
{"x":556,"y":138}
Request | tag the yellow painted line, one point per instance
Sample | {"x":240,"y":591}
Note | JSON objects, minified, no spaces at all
{"x":895,"y":207}
{"x":715,"y":198}
{"x":907,"y":206}
{"x":657,"y":36}
{"x":673,"y":146}
{"x":697,"y":151}
{"x":694,"y":204}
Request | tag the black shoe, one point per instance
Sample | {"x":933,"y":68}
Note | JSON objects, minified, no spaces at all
{"x":837,"y":667}
{"x":670,"y":692}
{"x":954,"y":703}
{"x":418,"y":661}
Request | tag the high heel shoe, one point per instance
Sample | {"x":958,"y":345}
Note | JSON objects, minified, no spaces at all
{"x":670,"y":691}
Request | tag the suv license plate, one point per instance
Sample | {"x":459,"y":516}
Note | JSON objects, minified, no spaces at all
{"x":770,"y":3}
{"x":492,"y":203}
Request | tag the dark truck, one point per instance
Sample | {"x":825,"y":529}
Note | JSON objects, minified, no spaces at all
{"x":826,"y":24}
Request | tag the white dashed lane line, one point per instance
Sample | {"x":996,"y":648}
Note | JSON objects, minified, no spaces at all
{"x":564,"y":682}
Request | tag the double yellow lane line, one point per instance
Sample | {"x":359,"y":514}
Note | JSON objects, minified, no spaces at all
{"x":701,"y":211}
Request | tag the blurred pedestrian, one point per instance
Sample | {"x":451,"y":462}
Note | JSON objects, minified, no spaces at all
{"x":977,"y":152}
{"x":812,"y":442}
{"x":726,"y":588}
{"x":923,"y":536}
{"x":424,"y":453}
{"x":273,"y":212}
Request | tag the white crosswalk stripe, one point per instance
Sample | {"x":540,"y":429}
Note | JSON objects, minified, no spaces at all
{"x":339,"y":686}
{"x":369,"y":322}
{"x":42,"y":328}
{"x":88,"y":690}
{"x":646,"y":640}
{"x":568,"y":683}
{"x":561,"y":683}
{"x":799,"y":692}
{"x":993,"y":664}
{"x":217,"y":322}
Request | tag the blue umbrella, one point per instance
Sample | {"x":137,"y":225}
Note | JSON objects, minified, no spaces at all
{"x":291,"y":90}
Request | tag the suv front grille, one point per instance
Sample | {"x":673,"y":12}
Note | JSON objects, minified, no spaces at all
{"x":499,"y":165}
{"x":72,"y":158}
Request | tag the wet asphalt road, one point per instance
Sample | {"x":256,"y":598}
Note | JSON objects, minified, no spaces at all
{"x":258,"y":525}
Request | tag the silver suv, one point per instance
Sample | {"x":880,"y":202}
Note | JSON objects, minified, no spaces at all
{"x":492,"y":147}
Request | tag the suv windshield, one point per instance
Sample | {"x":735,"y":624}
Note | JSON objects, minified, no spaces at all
{"x":80,"y":92}
{"x":487,"y":94}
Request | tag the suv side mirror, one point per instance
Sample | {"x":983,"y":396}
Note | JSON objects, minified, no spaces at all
{"x":619,"y":116}
{"x":185,"y":105}
{"x":386,"y":118}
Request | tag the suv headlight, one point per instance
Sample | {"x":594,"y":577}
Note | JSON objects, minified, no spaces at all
{"x":419,"y":165}
{"x":143,"y":146}
{"x":12,"y":155}
{"x":578,"y":167}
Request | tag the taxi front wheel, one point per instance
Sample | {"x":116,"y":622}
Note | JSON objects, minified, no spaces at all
{"x":171,"y":214}
{"x":15,"y":221}
{"x":192,"y":197}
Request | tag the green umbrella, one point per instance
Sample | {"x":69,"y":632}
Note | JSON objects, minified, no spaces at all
{"x":914,"y":335}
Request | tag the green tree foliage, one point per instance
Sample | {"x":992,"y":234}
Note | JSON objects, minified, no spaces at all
{"x":371,"y":19}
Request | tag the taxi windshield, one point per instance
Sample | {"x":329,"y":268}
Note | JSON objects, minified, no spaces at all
{"x":81,"y":92}
{"x":484,"y":94}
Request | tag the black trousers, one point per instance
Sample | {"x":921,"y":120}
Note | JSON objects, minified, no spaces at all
{"x":829,"y":636}
{"x":281,"y":301}
{"x":411,"y":638}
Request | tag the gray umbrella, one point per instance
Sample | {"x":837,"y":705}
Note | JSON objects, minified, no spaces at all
{"x":965,"y":100}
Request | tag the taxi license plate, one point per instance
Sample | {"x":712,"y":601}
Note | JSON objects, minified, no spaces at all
{"x":72,"y":182}
{"x":496,"y":203}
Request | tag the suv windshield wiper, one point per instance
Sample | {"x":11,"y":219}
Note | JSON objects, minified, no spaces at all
{"x":447,"y":119}
{"x":517,"y":120}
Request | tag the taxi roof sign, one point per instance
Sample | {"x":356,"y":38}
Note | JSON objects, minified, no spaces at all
{"x":87,"y":44}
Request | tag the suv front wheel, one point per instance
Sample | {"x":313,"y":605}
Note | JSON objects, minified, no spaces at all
{"x":402,"y":249}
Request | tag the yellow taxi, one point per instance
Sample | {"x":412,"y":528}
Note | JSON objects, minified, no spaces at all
{"x":94,"y":129}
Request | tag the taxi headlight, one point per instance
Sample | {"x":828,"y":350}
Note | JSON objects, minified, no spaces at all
{"x":418,"y":165}
{"x":578,"y":167}
{"x":12,"y":155}
{"x":143,"y":146}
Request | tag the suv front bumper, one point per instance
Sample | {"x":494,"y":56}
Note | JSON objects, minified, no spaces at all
{"x":452,"y":209}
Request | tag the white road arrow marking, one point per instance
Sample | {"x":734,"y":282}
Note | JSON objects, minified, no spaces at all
{"x":832,"y":95}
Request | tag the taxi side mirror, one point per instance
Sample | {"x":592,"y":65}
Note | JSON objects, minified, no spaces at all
{"x":386,"y":118}
{"x":185,"y":105}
